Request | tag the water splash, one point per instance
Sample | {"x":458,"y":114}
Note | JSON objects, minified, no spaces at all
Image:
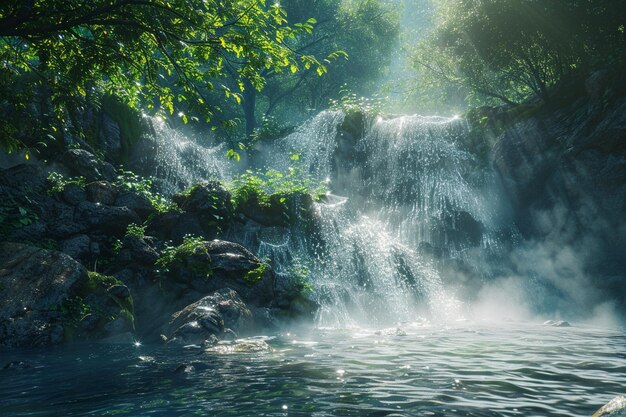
{"x":177,"y":161}
{"x":411,"y":187}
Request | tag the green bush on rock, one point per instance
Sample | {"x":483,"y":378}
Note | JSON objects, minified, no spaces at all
{"x":100,"y":306}
{"x":58,"y":182}
{"x":192,"y":255}
{"x":274,"y":198}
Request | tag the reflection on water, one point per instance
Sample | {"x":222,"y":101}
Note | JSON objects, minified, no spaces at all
{"x":414,"y":370}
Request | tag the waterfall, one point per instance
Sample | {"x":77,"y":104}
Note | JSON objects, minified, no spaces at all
{"x":409,"y":196}
{"x":176,"y":161}
{"x":413,"y":211}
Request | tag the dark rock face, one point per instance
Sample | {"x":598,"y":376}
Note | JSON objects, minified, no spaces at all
{"x":34,"y":283}
{"x":102,"y":192}
{"x":137,"y":250}
{"x":210,"y":316}
{"x":209,"y":199}
{"x":83,"y":163}
{"x":282,"y":211}
{"x":138,"y":203}
{"x":230,"y":264}
{"x":565,"y":172}
{"x":105,"y":218}
{"x":47,"y":297}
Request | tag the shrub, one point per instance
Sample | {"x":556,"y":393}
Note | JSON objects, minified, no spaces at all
{"x":183,"y":256}
{"x":58,"y":182}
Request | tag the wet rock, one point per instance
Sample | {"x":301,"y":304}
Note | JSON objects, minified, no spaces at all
{"x":597,"y":83}
{"x":231,"y":264}
{"x":112,"y":220}
{"x":34,"y":282}
{"x":77,"y":246}
{"x":559,"y":323}
{"x":241,"y":346}
{"x":24,"y":177}
{"x":47,"y":298}
{"x":614,"y":408}
{"x":209,"y":317}
{"x":209,"y":199}
{"x":102,"y":192}
{"x":73,"y":194}
{"x":282,"y":210}
{"x":109,"y":135}
{"x":136,"y":202}
{"x":83,"y":163}
{"x":137,"y":250}
{"x":230,"y":257}
{"x":61,"y":220}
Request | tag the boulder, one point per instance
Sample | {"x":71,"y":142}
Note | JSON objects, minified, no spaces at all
{"x":210,"y":316}
{"x":34,"y":283}
{"x":46,"y":298}
{"x":614,"y":408}
{"x":209,"y":199}
{"x":102,"y":192}
{"x":24,"y":177}
{"x":73,"y":194}
{"x":83,"y":163}
{"x":77,"y":246}
{"x":137,"y":250}
{"x":231,"y":264}
{"x":139,"y":203}
{"x":113,"y":220}
{"x":61,"y":221}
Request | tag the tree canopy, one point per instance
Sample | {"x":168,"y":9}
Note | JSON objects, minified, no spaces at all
{"x":506,"y":50}
{"x":152,"y":53}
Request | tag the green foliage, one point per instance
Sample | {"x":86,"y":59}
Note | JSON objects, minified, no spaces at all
{"x":13,"y":217}
{"x":74,"y":310}
{"x":271,"y":186}
{"x":506,"y":50}
{"x":158,"y":54}
{"x":270,"y":128}
{"x":129,"y":181}
{"x":97,"y":284}
{"x":349,"y":102}
{"x":116,"y":246}
{"x":300,"y":273}
{"x":58,"y":182}
{"x":191,"y":254}
{"x":136,"y":230}
{"x":257,"y":273}
{"x":357,"y":38}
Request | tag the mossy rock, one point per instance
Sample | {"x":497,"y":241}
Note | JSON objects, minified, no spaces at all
{"x":101,"y":306}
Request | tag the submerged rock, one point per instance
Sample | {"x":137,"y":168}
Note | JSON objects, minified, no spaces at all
{"x":559,"y":323}
{"x":614,"y":408}
{"x":241,"y":346}
{"x":209,"y":317}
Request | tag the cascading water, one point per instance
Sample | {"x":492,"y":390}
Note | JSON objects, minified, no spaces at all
{"x":177,"y":161}
{"x":408,"y":197}
{"x":410,"y":189}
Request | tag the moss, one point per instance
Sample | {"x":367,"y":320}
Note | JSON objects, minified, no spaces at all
{"x":256,"y":274}
{"x":192,"y":255}
{"x":128,"y":119}
{"x":100,"y":301}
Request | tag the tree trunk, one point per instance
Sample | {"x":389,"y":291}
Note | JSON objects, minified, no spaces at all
{"x":249,"y":107}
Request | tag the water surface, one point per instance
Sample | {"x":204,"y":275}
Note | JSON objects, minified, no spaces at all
{"x":414,"y":370}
